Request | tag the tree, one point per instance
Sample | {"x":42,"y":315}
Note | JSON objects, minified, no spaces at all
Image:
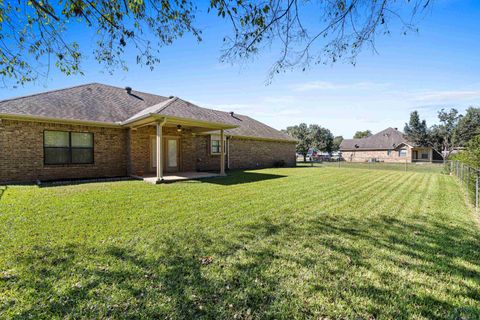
{"x":35,"y":35}
{"x":302,"y":133}
{"x":471,"y":155}
{"x":336,"y":143}
{"x":444,"y":136}
{"x":362,"y":134}
{"x":468,"y":126}
{"x":416,"y":130}
{"x":322,"y":138}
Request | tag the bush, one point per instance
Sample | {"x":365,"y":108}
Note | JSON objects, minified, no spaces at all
{"x":279,"y":164}
{"x":471,"y":156}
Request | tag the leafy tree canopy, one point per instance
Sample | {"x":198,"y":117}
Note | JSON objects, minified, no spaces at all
{"x":301,"y":132}
{"x":336,"y":143}
{"x":416,"y":130}
{"x":36,"y":35}
{"x":322,"y":138}
{"x":444,"y":135}
{"x":468,"y":126}
{"x":471,"y":155}
{"x":362,"y":134}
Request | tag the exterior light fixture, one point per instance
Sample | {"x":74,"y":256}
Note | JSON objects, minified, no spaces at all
{"x":179,"y":128}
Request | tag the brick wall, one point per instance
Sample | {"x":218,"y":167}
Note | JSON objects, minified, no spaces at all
{"x":120,"y":152}
{"x":140,"y":146}
{"x":247,"y":153}
{"x":244,"y":153}
{"x":381,"y":155}
{"x":205,"y":161}
{"x":21,"y":153}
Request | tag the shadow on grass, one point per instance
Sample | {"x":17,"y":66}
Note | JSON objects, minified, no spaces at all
{"x":241,"y":177}
{"x":258,"y":274}
{"x":2,"y":191}
{"x":71,"y":182}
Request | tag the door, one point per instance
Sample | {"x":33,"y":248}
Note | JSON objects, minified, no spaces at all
{"x":415,"y":155}
{"x":171,"y":154}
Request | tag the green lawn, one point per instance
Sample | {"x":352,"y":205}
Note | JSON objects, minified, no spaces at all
{"x":278,"y":243}
{"x":424,"y":167}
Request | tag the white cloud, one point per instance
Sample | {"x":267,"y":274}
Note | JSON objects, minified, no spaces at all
{"x":326,"y":85}
{"x":447,"y":95}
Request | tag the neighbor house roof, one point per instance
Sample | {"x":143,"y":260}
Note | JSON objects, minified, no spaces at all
{"x":389,"y":138}
{"x":102,"y":103}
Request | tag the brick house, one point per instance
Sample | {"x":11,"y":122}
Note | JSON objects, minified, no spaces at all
{"x":96,"y":130}
{"x":389,"y":145}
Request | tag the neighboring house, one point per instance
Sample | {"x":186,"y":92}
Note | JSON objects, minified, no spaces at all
{"x":389,"y":145}
{"x":96,"y":130}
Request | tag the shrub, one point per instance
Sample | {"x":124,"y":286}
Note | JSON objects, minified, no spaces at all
{"x":471,"y":155}
{"x":279,"y":164}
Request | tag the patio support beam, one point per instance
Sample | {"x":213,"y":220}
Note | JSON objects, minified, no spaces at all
{"x":222,"y":152}
{"x":159,"y":150}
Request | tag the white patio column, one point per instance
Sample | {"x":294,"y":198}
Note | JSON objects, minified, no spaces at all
{"x":222,"y":153}
{"x":159,"y":152}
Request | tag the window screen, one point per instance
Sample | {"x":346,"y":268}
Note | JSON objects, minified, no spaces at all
{"x":63,"y":147}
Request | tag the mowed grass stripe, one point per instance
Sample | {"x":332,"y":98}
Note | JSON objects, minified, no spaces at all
{"x":283,"y":243}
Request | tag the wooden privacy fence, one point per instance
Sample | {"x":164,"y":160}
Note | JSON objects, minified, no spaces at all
{"x":470,"y":177}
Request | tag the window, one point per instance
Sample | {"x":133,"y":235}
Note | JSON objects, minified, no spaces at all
{"x":425,"y":156}
{"x":389,"y":152}
{"x":402,"y":152}
{"x":63,"y":147}
{"x":215,"y":145}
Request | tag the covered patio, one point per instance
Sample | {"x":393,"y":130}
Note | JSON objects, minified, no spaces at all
{"x":162,"y":144}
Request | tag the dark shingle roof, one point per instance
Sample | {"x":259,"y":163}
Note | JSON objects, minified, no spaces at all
{"x":104,"y":103}
{"x":179,"y":108}
{"x":248,"y":127}
{"x":389,"y":138}
{"x":89,"y":102}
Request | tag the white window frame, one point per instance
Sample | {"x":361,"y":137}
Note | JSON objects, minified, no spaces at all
{"x":400,"y":153}
{"x":216,"y":137}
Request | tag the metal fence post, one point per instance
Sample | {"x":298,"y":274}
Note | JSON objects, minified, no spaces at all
{"x":468,"y":177}
{"x":476,"y":191}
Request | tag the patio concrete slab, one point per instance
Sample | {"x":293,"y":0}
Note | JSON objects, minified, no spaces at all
{"x":181,"y":176}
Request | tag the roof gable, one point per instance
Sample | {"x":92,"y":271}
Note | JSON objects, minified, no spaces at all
{"x":89,"y":102}
{"x":102,"y":103}
{"x":389,"y":138}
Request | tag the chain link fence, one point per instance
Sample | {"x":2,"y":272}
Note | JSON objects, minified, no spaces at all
{"x":467,"y":175}
{"x":381,"y":164}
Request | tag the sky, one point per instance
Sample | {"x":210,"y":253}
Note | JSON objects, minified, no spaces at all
{"x":438,"y":67}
